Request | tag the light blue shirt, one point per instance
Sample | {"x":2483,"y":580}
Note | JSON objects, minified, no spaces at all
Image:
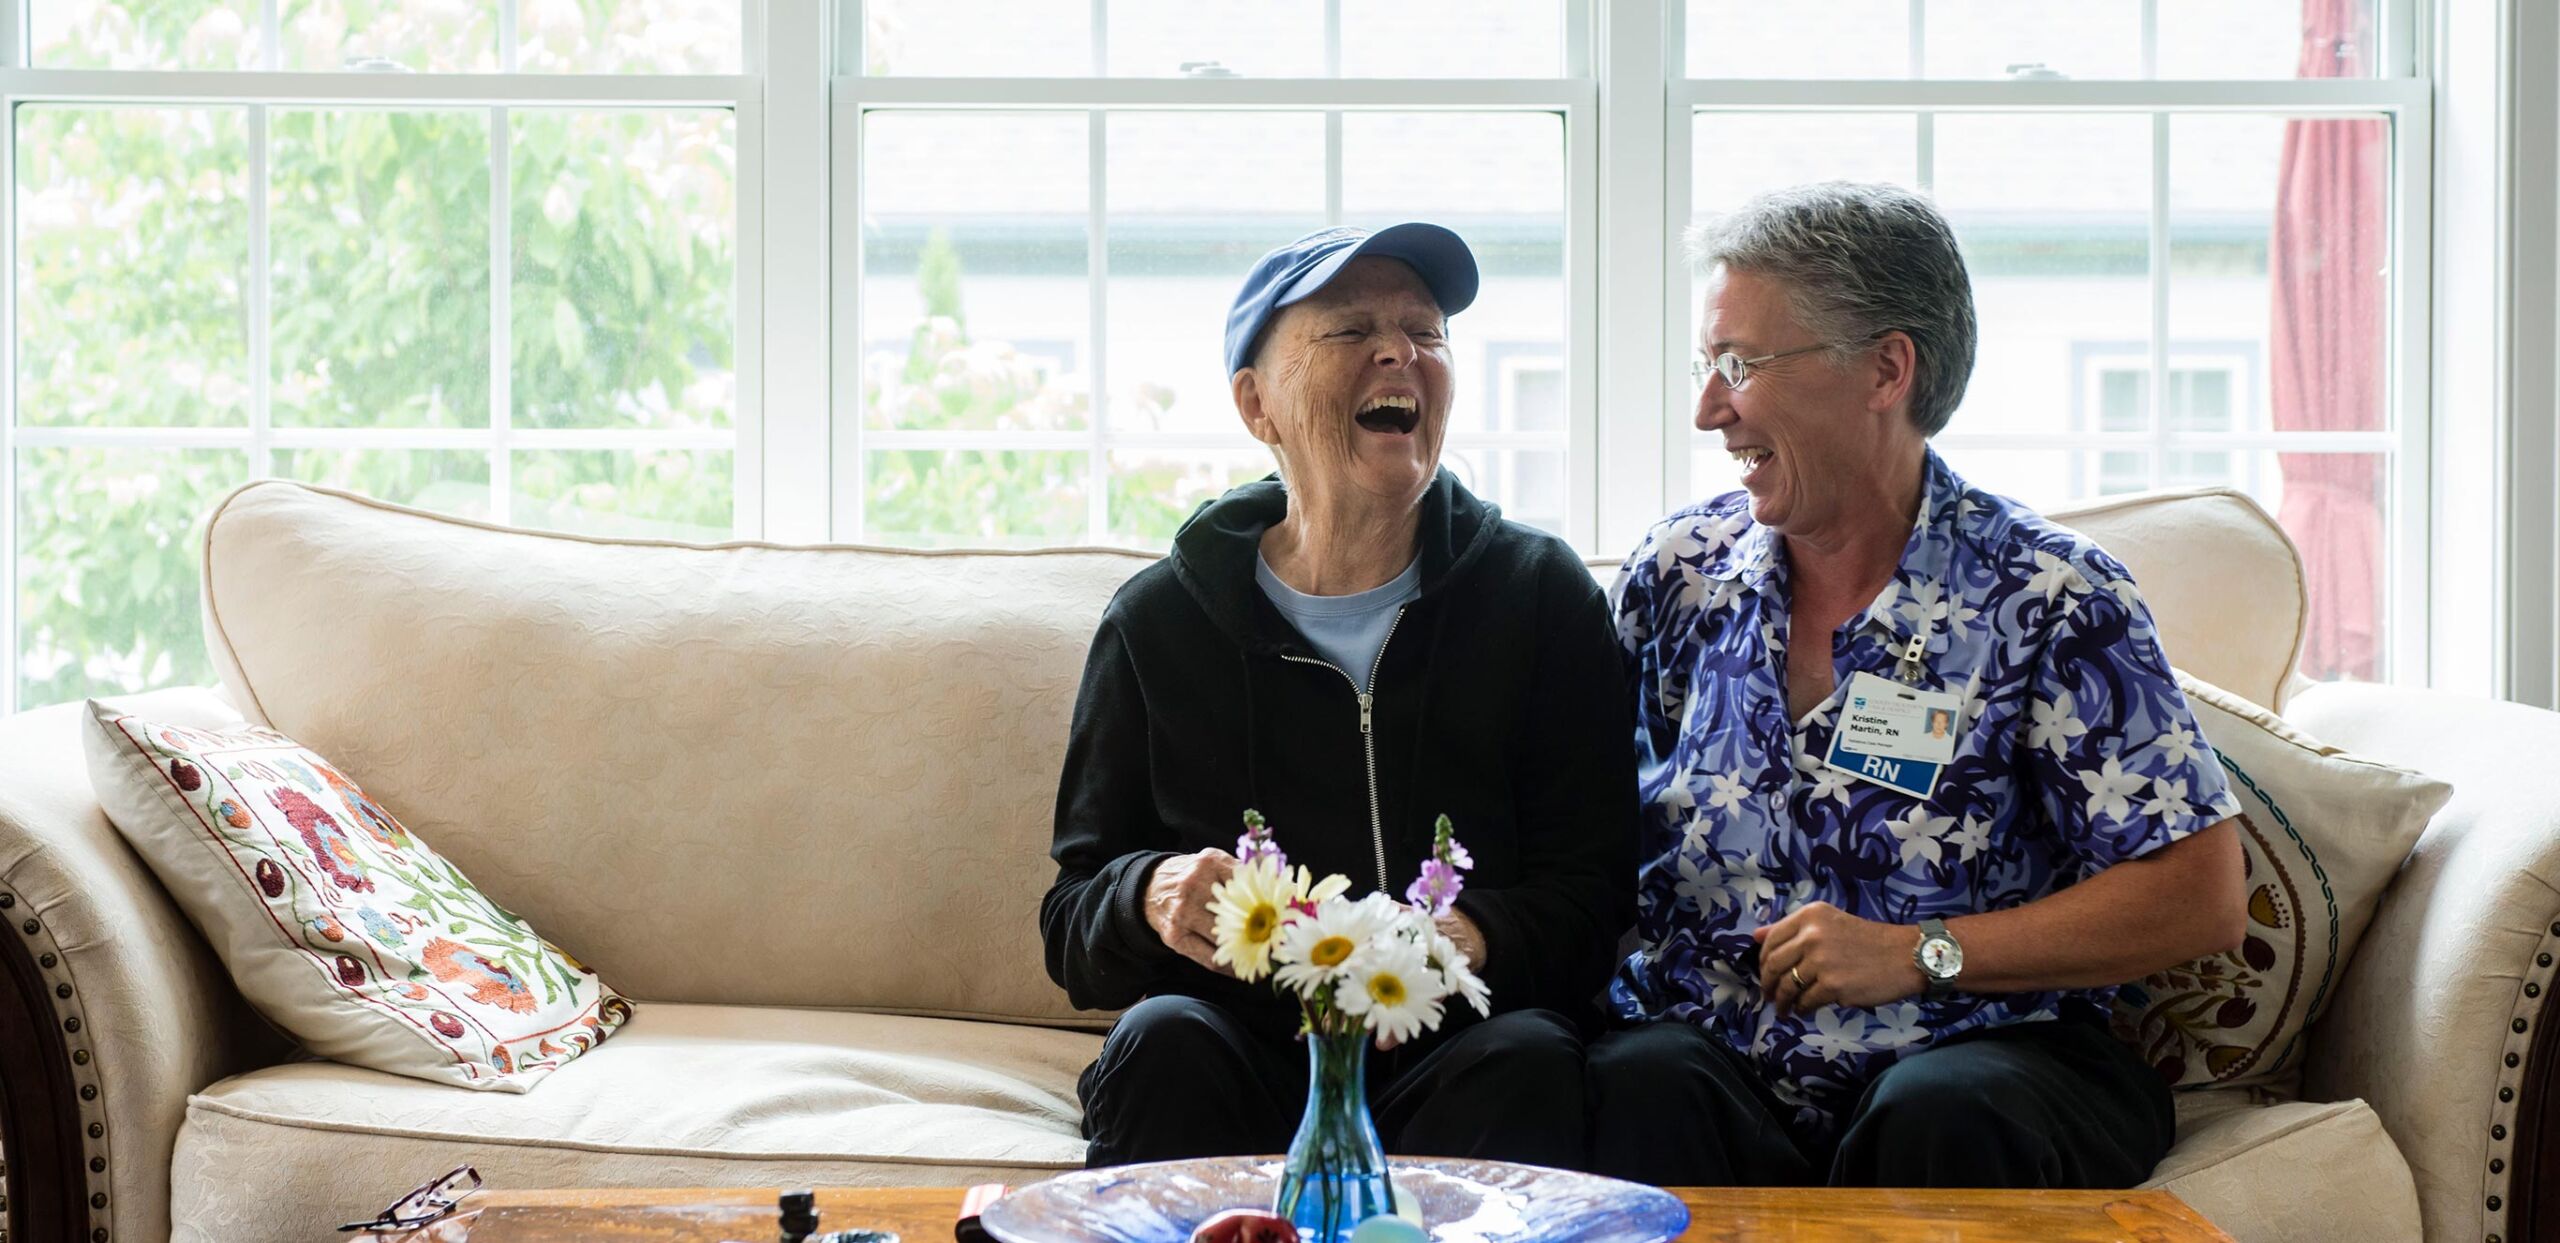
{"x":1346,"y":630}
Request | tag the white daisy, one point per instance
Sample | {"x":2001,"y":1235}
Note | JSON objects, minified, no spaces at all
{"x":1456,"y":977}
{"x":1392,"y":989}
{"x":1251,"y":905}
{"x":2110,"y":789}
{"x":1315,"y":949}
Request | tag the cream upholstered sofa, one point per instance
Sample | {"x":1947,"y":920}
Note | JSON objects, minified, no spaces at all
{"x":797,"y":800}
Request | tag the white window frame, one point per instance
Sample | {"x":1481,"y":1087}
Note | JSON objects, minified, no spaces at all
{"x":1627,"y":109}
{"x":257,"y":91}
{"x":2401,"y":94}
{"x":1571,"y":96}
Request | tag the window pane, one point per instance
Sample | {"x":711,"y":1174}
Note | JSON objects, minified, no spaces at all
{"x":625,"y":237}
{"x":2263,"y":39}
{"x":1264,"y":39}
{"x":2333,"y":505}
{"x":937,"y":499}
{"x":1529,"y":484}
{"x":2049,"y":478}
{"x":1988,"y":38}
{"x":446,"y":481}
{"x":628,"y":36}
{"x":109,"y":541}
{"x":1984,"y":38}
{"x":133,"y":256}
{"x":381,"y":271}
{"x":1801,"y":39}
{"x":1152,"y":493}
{"x":1737,"y":155}
{"x":2279,"y":249}
{"x":975,"y":271}
{"x":675,"y":494}
{"x":1194,"y":200}
{"x":143,"y":34}
{"x":1452,"y":39}
{"x":977,"y":38}
{"x":437,"y":36}
{"x":2053,"y":213}
{"x":1499,"y":180}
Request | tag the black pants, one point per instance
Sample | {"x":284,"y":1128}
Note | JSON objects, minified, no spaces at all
{"x":1179,"y":1077}
{"x":2055,"y":1104}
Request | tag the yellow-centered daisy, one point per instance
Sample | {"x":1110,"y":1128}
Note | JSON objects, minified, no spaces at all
{"x":1252,"y":907}
{"x":1319,"y":948}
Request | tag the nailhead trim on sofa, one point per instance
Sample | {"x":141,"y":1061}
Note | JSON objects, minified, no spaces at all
{"x":2522,"y":1185}
{"x":53,"y":1118}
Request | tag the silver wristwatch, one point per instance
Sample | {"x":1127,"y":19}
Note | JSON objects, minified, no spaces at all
{"x":1940,"y":958}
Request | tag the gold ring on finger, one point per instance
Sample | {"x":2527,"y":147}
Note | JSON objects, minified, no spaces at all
{"x":1792,"y":974}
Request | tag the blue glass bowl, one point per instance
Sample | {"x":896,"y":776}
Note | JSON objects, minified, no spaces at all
{"x":1461,"y":1201}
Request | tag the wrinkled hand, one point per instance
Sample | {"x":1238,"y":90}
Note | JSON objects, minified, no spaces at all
{"x":1842,"y":960}
{"x":1178,"y":903}
{"x":1470,"y":939}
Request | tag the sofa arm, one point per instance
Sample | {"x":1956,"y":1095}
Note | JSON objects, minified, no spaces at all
{"x":112,"y":1008}
{"x":2446,"y":1021}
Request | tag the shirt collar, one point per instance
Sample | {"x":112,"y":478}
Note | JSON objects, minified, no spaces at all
{"x":1918,"y":587}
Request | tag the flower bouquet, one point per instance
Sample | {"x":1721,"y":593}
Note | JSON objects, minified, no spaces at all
{"x":1371,"y":969}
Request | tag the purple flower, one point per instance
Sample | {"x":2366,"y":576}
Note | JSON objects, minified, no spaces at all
{"x":1439,"y":883}
{"x":1435,"y":889}
{"x":1256,"y":842}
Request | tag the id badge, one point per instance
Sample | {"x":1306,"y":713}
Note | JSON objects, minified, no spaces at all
{"x":1896,"y":736}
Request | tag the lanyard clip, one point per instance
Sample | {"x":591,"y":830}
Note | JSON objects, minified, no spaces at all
{"x":1910,"y":668}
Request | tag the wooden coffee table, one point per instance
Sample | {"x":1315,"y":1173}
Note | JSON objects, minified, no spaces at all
{"x":1716,"y":1215}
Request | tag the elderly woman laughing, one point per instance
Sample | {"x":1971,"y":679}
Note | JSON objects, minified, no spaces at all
{"x":1875,"y":952}
{"x":1354,"y":648}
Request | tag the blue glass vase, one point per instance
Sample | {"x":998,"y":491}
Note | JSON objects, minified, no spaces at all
{"x":1336,"y":1175}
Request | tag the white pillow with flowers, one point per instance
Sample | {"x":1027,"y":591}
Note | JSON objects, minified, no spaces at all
{"x":334,"y":920}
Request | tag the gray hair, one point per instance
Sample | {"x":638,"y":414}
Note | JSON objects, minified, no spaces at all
{"x":1859,"y":260}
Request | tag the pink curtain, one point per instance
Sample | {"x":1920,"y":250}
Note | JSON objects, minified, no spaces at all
{"x":2326,"y":347}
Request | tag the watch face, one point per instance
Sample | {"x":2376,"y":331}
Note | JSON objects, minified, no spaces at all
{"x":1942,"y":959}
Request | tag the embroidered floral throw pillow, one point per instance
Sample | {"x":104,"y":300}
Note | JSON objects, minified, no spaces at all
{"x":2323,"y":833}
{"x":336,"y":922}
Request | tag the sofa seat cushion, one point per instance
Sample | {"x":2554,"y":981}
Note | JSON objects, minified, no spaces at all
{"x":683,"y":1096}
{"x":2289,"y":1171}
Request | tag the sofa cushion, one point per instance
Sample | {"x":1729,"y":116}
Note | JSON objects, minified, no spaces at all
{"x":2223,"y":581}
{"x":340,"y":925}
{"x":2323,"y":833}
{"x":684,"y":1096}
{"x":742,"y":774}
{"x":2290,"y":1171}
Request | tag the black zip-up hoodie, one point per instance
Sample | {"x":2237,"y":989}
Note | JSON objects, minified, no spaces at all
{"x":1500,"y":699}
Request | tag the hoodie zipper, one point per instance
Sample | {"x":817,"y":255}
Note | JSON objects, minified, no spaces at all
{"x":1368,"y":737}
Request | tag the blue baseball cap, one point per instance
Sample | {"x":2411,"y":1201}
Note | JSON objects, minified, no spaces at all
{"x":1294,"y":271}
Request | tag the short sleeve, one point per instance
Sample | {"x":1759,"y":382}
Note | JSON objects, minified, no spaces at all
{"x":2118,"y":763}
{"x":1632,"y":607}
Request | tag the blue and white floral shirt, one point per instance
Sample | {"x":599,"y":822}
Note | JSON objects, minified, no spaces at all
{"x":2076,"y":751}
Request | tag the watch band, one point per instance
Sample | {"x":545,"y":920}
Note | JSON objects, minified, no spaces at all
{"x":1935,"y":987}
